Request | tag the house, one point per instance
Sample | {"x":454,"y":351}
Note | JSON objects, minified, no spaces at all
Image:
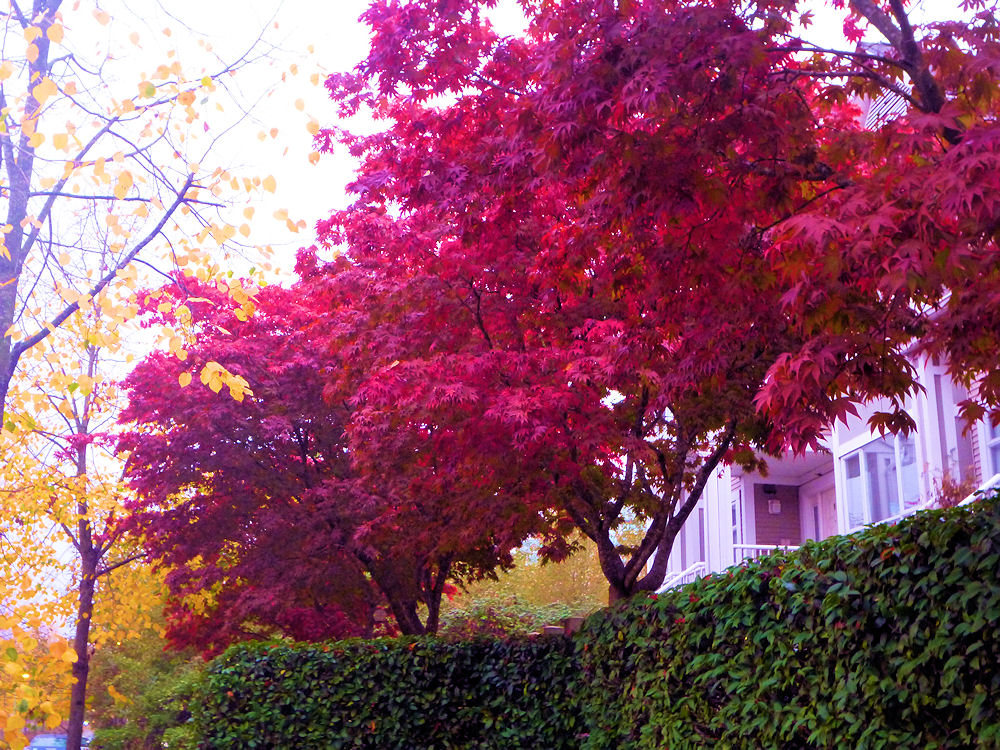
{"x":863,"y":478}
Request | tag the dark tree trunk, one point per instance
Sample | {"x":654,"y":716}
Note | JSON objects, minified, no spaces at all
{"x":406,"y":617}
{"x":90,"y":558}
{"x":81,"y":646}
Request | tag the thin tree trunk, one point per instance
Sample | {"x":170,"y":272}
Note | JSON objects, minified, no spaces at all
{"x":90,"y":557}
{"x":81,"y":645}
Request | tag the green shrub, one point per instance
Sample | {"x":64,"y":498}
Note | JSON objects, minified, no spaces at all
{"x":403,"y":693}
{"x":157,"y":686}
{"x":499,"y":616}
{"x":886,"y":638}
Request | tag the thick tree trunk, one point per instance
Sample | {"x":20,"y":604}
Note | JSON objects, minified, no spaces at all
{"x":615,"y":594}
{"x":406,"y":617}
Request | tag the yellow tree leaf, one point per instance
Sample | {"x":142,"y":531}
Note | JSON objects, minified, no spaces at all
{"x":123,"y":185}
{"x":118,"y":697}
{"x":184,"y":379}
{"x":55,"y":33}
{"x":47,"y":88}
{"x":269,"y":184}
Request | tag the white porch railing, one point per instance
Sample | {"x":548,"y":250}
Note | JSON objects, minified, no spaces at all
{"x":688,"y":575}
{"x":923,"y":505}
{"x":989,"y":484}
{"x":743,"y":552}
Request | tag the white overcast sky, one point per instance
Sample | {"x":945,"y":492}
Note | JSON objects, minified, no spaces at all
{"x":337,"y":40}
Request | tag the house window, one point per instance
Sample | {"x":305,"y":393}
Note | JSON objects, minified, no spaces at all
{"x":993,"y":441}
{"x":881,"y":480}
{"x":701,"y":534}
{"x":737,"y":501}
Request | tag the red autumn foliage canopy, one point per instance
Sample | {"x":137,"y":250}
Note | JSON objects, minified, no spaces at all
{"x":562,"y":269}
{"x":586,"y":266}
{"x":255,"y":507}
{"x":650,"y":236}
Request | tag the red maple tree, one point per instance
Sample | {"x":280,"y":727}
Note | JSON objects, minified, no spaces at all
{"x":563,"y":267}
{"x":652,"y":236}
{"x":255,"y":507}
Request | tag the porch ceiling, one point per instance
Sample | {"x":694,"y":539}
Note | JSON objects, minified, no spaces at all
{"x":795,"y":470}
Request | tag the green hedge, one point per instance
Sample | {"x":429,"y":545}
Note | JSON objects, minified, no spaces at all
{"x":403,"y":693}
{"x":887,"y":638}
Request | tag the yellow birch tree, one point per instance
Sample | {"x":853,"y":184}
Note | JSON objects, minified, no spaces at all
{"x":105,"y":185}
{"x":132,"y":157}
{"x":63,"y":540}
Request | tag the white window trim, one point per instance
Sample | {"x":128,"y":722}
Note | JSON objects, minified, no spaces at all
{"x":992,"y":436}
{"x":855,"y":447}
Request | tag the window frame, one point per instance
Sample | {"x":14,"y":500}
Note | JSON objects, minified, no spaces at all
{"x":859,"y":454}
{"x":993,"y":446}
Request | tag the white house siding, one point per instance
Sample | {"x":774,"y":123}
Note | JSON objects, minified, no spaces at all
{"x":863,"y":478}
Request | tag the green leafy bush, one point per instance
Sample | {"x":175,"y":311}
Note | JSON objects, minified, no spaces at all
{"x":499,"y":616}
{"x":404,"y":693}
{"x":887,"y":638}
{"x":154,"y":689}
